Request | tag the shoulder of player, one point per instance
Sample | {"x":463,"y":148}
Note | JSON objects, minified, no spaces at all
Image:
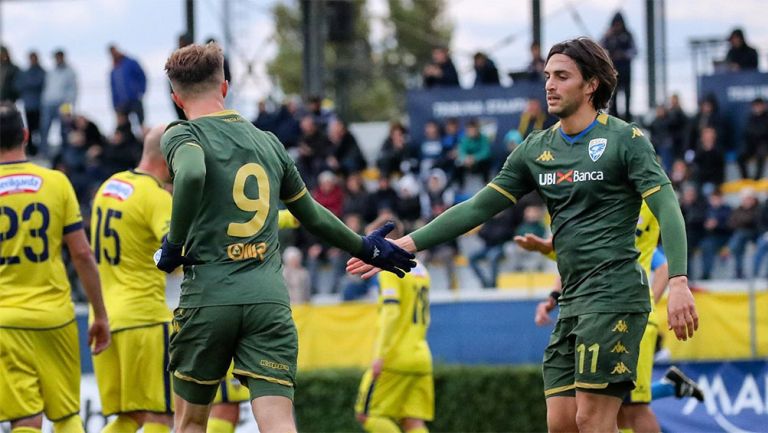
{"x":621,"y":128}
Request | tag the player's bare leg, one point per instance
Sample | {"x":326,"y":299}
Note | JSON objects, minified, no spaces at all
{"x":190,"y":417}
{"x":638,"y":417}
{"x":224,"y":418}
{"x":596,"y":413}
{"x":157,"y":422}
{"x":274,"y":414}
{"x":414,"y":425}
{"x":32,"y":424}
{"x":561,"y":415}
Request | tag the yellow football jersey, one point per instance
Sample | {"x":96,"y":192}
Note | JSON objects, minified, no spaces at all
{"x":38,"y":207}
{"x":131,"y":213}
{"x":646,"y":241}
{"x":403,"y":346}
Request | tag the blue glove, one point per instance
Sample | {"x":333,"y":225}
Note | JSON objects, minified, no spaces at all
{"x":385,"y":255}
{"x":169,"y":257}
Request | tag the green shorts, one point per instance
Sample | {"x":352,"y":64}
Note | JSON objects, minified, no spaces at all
{"x":594,"y":352}
{"x":261,"y":338}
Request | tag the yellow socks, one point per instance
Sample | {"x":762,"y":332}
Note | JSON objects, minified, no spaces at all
{"x":73,"y":424}
{"x":375,"y":424}
{"x":218,"y":425}
{"x":121,"y":424}
{"x":155,"y":427}
{"x":418,"y":430}
{"x":26,"y":430}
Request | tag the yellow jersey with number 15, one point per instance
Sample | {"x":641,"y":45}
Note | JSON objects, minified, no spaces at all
{"x":38,"y":207}
{"x":131,"y":214}
{"x":403,"y":344}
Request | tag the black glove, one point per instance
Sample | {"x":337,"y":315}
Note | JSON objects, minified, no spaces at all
{"x":169,"y":257}
{"x":385,"y":255}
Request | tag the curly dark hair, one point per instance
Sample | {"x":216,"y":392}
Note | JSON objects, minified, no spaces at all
{"x":593,"y":62}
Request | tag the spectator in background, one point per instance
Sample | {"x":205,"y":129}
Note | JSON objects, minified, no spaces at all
{"x":660,"y":134}
{"x":486,"y":73}
{"x":677,"y":122}
{"x":122,"y":151}
{"x":431,"y":149}
{"x":716,"y":232}
{"x":709,"y":162}
{"x":346,"y":156}
{"x":740,"y":57}
{"x":708,"y":116}
{"x":694,"y":209}
{"x":679,"y":175}
{"x":183,"y":40}
{"x":494,"y":233}
{"x":385,"y":198}
{"x":357,"y":199}
{"x":29,"y":84}
{"x":408,"y":205}
{"x":761,"y":250}
{"x":128,"y":84}
{"x":283,"y":123}
{"x":474,"y":153}
{"x":755,"y":139}
{"x":451,"y":136}
{"x":533,"y":118}
{"x":535,"y":68}
{"x":84,"y":142}
{"x":436,"y":199}
{"x":440,"y":72}
{"x":8,"y":75}
{"x":620,"y":44}
{"x":743,"y":222}
{"x":314,"y":148}
{"x":329,"y":193}
{"x":396,"y":155}
{"x":323,"y":116}
{"x":60,"y":88}
{"x":296,"y":277}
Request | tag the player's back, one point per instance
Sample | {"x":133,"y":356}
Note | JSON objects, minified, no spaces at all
{"x":235,"y":230}
{"x":37,"y":208}
{"x":131,"y":213}
{"x":408,"y":351}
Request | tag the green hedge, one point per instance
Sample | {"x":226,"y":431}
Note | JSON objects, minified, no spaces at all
{"x":467,"y":399}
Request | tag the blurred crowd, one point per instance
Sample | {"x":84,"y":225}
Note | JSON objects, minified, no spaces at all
{"x":416,"y":181}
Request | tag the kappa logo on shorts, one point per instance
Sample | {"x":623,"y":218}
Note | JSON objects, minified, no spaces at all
{"x":619,"y":348}
{"x":621,"y":326}
{"x":620,"y":368}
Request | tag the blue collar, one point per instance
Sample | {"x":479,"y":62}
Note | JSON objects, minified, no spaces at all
{"x":14,"y":162}
{"x":576,"y":137}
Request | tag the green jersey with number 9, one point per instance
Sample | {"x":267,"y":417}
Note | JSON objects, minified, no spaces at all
{"x":233,"y":237}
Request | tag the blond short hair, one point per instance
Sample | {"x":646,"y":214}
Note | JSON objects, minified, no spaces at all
{"x":195,"y":69}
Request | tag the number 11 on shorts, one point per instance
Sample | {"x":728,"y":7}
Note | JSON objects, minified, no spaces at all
{"x":582,"y":349}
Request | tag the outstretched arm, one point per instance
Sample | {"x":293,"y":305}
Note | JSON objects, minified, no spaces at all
{"x":451,"y":224}
{"x":461,"y":218}
{"x":372,"y":249}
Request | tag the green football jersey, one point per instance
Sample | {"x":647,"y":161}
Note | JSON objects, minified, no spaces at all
{"x":233,"y":236}
{"x":593,"y":185}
